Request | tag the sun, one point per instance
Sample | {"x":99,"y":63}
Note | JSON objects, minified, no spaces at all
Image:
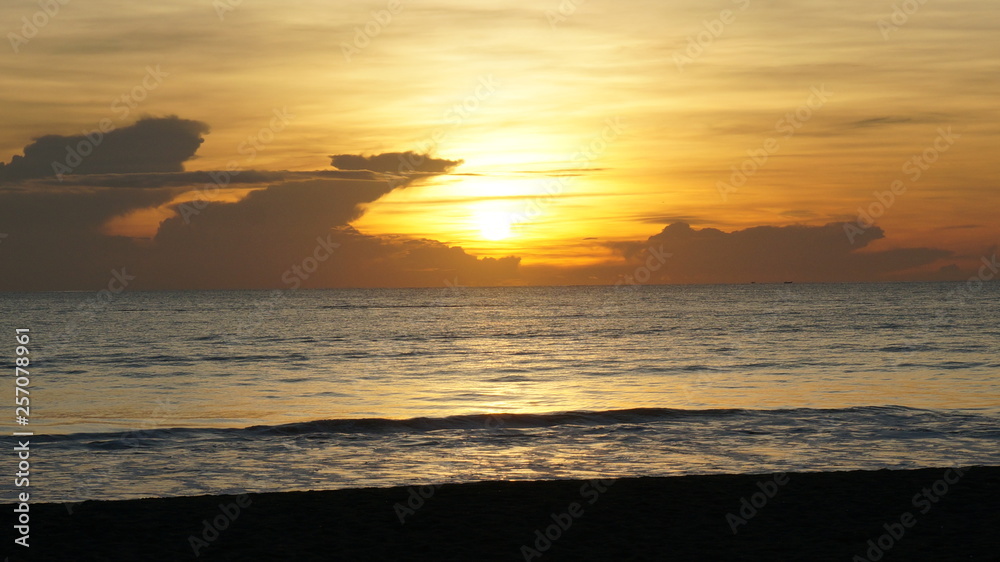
{"x":493,"y":225}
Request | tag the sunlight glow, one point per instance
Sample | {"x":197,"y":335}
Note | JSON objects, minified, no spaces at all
{"x":493,"y":224}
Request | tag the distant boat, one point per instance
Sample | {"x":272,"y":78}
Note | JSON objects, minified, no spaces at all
{"x":787,"y":282}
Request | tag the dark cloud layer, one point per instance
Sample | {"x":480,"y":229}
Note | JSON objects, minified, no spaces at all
{"x":295,"y":231}
{"x":287,"y":236}
{"x":395,"y":261}
{"x":394,"y":163}
{"x":291,"y":234}
{"x":54,"y":239}
{"x":774,"y":254}
{"x":259,"y":241}
{"x":149,"y":145}
{"x":244,"y":177}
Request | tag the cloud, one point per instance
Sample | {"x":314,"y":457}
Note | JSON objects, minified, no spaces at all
{"x":660,"y":218}
{"x":258,"y":241}
{"x":275,"y":236}
{"x":394,"y":163}
{"x":246,"y":177}
{"x":880,"y":121}
{"x":396,"y":261}
{"x":962,"y":226}
{"x":57,"y":243}
{"x":774,"y":254}
{"x":55,"y":228}
{"x":55,"y":240}
{"x":149,"y":145}
{"x":915,"y":118}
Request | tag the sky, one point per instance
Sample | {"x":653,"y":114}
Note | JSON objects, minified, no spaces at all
{"x":201,"y":144}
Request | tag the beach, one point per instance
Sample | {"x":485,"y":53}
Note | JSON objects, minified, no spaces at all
{"x":926,"y":514}
{"x":517,"y":281}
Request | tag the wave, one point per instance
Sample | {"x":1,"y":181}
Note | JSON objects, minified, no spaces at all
{"x":487,"y":421}
{"x":581,"y":418}
{"x":890,"y":414}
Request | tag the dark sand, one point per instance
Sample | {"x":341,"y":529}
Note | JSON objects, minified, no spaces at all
{"x":815,"y":516}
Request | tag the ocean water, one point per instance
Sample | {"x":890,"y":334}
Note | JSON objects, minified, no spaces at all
{"x":183,"y":393}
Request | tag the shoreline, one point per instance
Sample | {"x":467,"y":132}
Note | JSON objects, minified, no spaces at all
{"x":921,"y":514}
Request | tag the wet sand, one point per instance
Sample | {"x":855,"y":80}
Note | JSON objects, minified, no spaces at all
{"x":926,"y":514}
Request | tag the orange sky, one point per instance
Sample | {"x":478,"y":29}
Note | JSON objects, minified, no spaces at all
{"x":583,"y":129}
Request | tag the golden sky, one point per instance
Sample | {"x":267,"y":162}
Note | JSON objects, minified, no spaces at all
{"x":583,"y":127}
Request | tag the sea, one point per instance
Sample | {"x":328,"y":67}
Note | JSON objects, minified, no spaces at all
{"x":158,"y":394}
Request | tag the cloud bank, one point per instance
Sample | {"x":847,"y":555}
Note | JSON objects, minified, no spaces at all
{"x":394,"y":163}
{"x":291,"y":231}
{"x":150,"y":145}
{"x":773,"y":254}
